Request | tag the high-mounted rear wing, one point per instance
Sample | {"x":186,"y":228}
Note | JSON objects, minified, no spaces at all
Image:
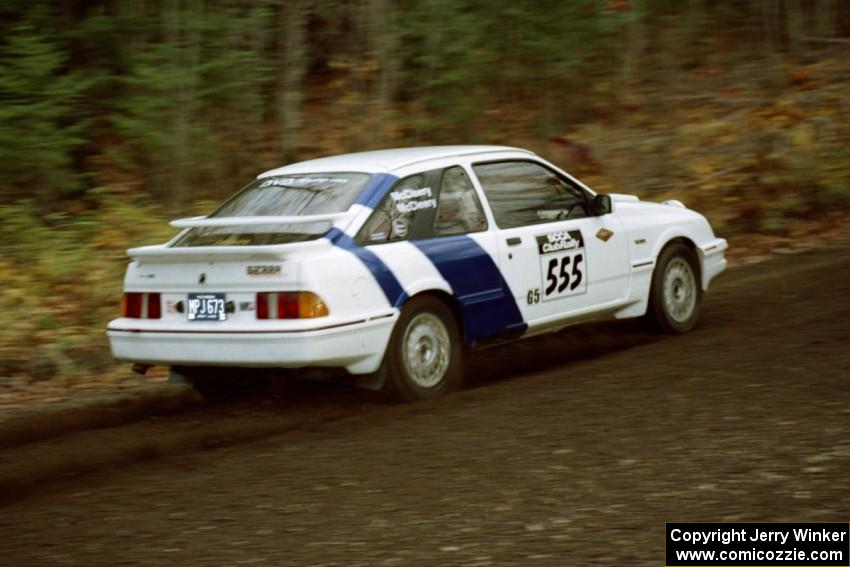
{"x":163,"y":253}
{"x":167,"y":253}
{"x":206,"y":222}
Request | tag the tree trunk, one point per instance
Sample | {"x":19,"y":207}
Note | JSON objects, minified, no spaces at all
{"x":635,"y":46}
{"x":795,"y":24}
{"x":826,"y":12}
{"x":771,"y":19}
{"x":183,"y":36}
{"x":293,"y":59}
{"x":264,"y":20}
{"x":384,"y":47}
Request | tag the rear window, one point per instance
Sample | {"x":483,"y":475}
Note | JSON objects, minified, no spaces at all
{"x":283,"y":195}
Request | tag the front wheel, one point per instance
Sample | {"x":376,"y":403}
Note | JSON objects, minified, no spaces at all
{"x":423,"y":358}
{"x":675,"y":296}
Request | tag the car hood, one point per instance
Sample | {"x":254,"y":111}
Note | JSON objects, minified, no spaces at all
{"x":646,"y":219}
{"x":633,"y":205}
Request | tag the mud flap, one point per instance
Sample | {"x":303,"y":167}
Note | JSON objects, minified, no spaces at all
{"x":374,"y":381}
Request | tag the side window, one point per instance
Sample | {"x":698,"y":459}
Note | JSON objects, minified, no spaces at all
{"x":524,"y":192}
{"x":459,"y":210}
{"x":405,"y":212}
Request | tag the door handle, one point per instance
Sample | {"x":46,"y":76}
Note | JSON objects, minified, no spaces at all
{"x":514,"y":241}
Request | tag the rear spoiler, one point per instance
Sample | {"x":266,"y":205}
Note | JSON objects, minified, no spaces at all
{"x":206,"y":222}
{"x":165,"y":253}
{"x":168,"y":254}
{"x":162,"y":253}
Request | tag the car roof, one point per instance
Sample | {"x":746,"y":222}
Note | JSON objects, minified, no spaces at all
{"x":386,"y":161}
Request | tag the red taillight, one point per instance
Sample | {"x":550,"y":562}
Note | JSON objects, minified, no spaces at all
{"x":154,"y":306}
{"x":290,"y":305}
{"x":131,"y":306}
{"x":263,"y":306}
{"x":287,"y":305}
{"x":136,"y":305}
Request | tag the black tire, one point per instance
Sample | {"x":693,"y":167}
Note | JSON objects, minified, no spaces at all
{"x":426,"y":324}
{"x":225,"y":384}
{"x":677,"y":268}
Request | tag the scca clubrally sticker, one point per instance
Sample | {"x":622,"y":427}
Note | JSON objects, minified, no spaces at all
{"x":563,"y":264}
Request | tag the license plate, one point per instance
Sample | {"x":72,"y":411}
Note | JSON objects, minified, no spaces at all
{"x":206,"y":307}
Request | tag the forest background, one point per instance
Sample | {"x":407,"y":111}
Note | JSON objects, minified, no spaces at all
{"x":118,"y":115}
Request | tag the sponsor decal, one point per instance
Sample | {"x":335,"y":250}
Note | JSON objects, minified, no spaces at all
{"x":413,"y":206}
{"x":408,"y":194}
{"x":563,"y":265}
{"x":299,"y":181}
{"x":558,"y":241}
{"x":411,"y":200}
{"x":604,"y":234}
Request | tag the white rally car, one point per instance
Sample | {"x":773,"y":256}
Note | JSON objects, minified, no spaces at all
{"x":388,"y":263}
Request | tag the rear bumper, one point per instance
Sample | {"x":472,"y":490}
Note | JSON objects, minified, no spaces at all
{"x":357,"y":347}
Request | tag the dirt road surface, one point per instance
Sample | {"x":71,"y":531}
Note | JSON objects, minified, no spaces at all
{"x":573,"y":449}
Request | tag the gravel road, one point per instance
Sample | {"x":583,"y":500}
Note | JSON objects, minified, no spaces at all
{"x":572,"y":449}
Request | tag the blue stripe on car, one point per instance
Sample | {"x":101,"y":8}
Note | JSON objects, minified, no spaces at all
{"x":382,"y":274}
{"x":375,"y":190}
{"x":370,"y":197}
{"x":488,"y":307}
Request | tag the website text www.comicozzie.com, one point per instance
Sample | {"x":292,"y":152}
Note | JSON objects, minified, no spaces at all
{"x":758,"y":544}
{"x":758,"y":555}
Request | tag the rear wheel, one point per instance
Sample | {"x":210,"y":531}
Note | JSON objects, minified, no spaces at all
{"x":423,"y":358}
{"x":223,"y":384}
{"x":675,"y":297}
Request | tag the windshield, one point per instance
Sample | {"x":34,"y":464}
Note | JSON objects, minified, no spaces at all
{"x":283,"y":195}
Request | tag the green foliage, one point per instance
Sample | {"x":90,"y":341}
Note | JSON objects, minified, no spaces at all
{"x":445,"y":59}
{"x":40,"y":123}
{"x":62,"y":281}
{"x":193,"y":95}
{"x":458,"y":54}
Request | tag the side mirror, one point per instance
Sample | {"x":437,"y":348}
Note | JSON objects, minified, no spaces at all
{"x":601,"y":205}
